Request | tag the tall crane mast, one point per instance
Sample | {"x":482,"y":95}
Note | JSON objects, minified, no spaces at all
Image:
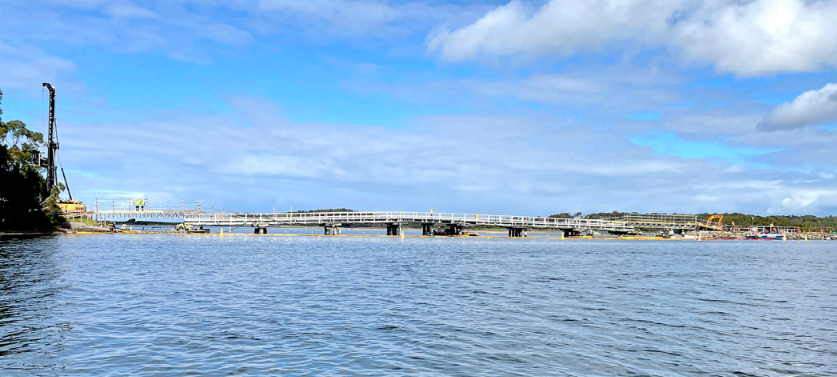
{"x":69,"y":207}
{"x":52,"y":146}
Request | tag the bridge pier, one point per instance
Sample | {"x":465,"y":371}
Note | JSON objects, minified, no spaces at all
{"x":259,"y":230}
{"x":427,"y":229}
{"x":518,"y":232}
{"x":456,"y":229}
{"x":331,"y":230}
{"x":396,"y":229}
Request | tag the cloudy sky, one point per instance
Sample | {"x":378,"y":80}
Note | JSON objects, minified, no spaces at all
{"x":522,"y":107}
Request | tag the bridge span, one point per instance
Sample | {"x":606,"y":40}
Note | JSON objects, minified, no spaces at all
{"x":147,"y":209}
{"x":454,"y":223}
{"x":193,"y":213}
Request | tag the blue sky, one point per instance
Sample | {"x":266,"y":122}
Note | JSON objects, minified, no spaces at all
{"x":530,"y":107}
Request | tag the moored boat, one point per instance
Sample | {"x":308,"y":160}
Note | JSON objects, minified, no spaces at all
{"x":765,"y":236}
{"x":772,"y":233}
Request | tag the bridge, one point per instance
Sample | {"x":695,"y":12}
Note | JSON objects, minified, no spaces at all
{"x":194,"y":214}
{"x":453,"y":223}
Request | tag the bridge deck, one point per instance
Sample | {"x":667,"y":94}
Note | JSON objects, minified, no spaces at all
{"x":192,"y":212}
{"x":332,"y":218}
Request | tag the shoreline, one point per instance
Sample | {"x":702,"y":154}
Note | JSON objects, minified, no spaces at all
{"x":84,"y":229}
{"x":620,"y":238}
{"x":23,"y":233}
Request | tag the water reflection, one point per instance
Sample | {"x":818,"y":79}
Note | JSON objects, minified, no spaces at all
{"x":30,"y":282}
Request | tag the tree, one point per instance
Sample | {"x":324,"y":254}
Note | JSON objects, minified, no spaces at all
{"x":24,"y":200}
{"x":22,"y":144}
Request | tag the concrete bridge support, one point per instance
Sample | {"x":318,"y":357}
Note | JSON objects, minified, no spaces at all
{"x":396,"y":229}
{"x":259,"y":230}
{"x":518,"y":232}
{"x":331,"y":230}
{"x":456,"y":229}
{"x":427,"y":229}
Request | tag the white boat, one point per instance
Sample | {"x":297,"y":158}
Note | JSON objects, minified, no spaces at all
{"x":765,"y":236}
{"x":765,"y":233}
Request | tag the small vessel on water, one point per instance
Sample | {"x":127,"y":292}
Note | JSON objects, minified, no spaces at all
{"x":186,"y":228}
{"x":768,"y":233}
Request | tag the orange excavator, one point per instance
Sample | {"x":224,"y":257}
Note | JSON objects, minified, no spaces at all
{"x":713,"y":217}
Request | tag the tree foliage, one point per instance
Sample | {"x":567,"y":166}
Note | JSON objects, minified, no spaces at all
{"x":24,"y":200}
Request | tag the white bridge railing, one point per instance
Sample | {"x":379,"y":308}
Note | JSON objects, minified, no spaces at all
{"x":330,"y":218}
{"x":144,"y":208}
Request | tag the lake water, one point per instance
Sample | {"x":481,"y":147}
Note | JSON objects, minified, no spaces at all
{"x":166,"y":305}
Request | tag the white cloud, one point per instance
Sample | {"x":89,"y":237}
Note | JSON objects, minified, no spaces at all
{"x":797,"y":200}
{"x":548,"y":88}
{"x":26,"y":66}
{"x":343,"y":19}
{"x":560,"y":27}
{"x":84,"y":4}
{"x":352,"y":16}
{"x":490,"y":163}
{"x":762,"y":36}
{"x":610,"y":90}
{"x":122,"y":26}
{"x":746,"y":38}
{"x":276,"y":165}
{"x":710,"y":124}
{"x":225,"y":34}
{"x":534,"y":161}
{"x":812,"y":108}
{"x":127,"y":10}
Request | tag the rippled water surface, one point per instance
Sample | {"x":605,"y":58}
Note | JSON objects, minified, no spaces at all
{"x":184,"y":305}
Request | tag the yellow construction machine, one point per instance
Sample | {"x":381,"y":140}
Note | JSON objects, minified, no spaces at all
{"x":72,"y":207}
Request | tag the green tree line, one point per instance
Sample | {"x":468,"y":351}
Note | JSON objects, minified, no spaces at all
{"x":25,"y":203}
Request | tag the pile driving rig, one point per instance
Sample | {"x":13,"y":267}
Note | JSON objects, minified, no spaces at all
{"x":69,"y":207}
